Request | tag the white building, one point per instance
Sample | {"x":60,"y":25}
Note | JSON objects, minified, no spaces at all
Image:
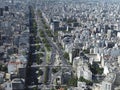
{"x":83,"y":71}
{"x":118,"y":34}
{"x":16,"y":62}
{"x":119,"y":59}
{"x":76,"y":62}
{"x":109,"y":34}
{"x":81,"y":86}
{"x":96,"y":87}
{"x":106,"y":71}
{"x":115,"y":51}
{"x":107,"y":83}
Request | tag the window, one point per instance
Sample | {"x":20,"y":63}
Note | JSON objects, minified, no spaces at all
{"x":106,"y":87}
{"x":10,"y":85}
{"x":109,"y":87}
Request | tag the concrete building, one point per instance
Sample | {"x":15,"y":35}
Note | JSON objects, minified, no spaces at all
{"x":16,"y":84}
{"x":108,"y":82}
{"x":55,"y":25}
{"x":81,"y":86}
{"x":83,"y":71}
{"x":96,"y":87}
{"x":16,"y":62}
{"x":119,"y":59}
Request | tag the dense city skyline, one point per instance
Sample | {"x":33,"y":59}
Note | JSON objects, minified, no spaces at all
{"x":59,"y":45}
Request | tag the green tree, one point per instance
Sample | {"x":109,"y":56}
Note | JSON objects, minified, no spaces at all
{"x":86,"y":51}
{"x":86,"y":81}
{"x":95,"y":69}
{"x":49,"y":33}
{"x":45,"y":41}
{"x":65,"y":88}
{"x":39,"y":61}
{"x":55,"y":70}
{"x":35,"y":88}
{"x":37,"y":40}
{"x":41,"y":54}
{"x":73,"y":81}
{"x":37,"y":47}
{"x":3,"y":68}
{"x":42,"y":49}
{"x":46,"y":75}
{"x":66,"y":55}
{"x":52,"y":89}
{"x":42,"y":34}
{"x":40,"y":72}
